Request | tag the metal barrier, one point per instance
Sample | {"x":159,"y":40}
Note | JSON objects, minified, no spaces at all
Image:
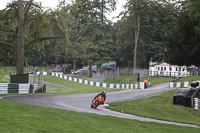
{"x":6,"y":88}
{"x":197,"y":103}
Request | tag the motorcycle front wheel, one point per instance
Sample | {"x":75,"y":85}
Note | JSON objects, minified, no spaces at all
{"x":96,"y":105}
{"x":92,"y":105}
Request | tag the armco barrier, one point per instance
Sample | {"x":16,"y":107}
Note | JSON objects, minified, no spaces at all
{"x":6,"y":88}
{"x":98,"y":84}
{"x":196,"y":103}
{"x":181,"y":84}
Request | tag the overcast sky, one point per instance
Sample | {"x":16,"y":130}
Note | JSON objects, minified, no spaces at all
{"x":54,"y":3}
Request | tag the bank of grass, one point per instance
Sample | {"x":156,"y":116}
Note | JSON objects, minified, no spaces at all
{"x":189,"y":78}
{"x":4,"y":79}
{"x":133,"y":80}
{"x":82,"y":88}
{"x":75,"y":87}
{"x":158,"y":80}
{"x":86,"y":78}
{"x":159,"y":107}
{"x":4,"y":70}
{"x":23,"y":118}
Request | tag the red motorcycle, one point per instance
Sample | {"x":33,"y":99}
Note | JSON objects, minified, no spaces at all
{"x":99,"y":100}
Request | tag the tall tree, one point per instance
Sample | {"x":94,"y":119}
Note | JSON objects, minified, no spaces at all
{"x":20,"y":42}
{"x":146,"y":23}
{"x":39,"y":27}
{"x":184,"y":43}
{"x":136,"y":10}
{"x":91,"y":28}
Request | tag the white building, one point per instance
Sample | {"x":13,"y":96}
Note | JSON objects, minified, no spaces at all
{"x":167,"y":70}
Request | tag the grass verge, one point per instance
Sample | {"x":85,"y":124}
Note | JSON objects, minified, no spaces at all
{"x":23,"y":118}
{"x":4,"y":70}
{"x":133,"y":80}
{"x":158,"y":80}
{"x":189,"y":78}
{"x":159,"y":107}
{"x":4,"y":79}
{"x":76,"y":87}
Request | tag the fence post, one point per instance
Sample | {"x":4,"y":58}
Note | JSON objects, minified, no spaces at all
{"x":10,"y":72}
{"x":118,"y":71}
{"x":138,"y":79}
{"x":34,"y":72}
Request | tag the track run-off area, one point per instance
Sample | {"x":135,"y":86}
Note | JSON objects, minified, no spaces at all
{"x":81,"y":102}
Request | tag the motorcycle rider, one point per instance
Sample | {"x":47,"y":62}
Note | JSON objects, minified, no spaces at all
{"x":103,"y":94}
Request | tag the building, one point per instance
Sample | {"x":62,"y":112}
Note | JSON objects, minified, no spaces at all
{"x":167,"y":70}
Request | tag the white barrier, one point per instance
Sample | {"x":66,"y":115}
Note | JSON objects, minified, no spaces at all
{"x":6,"y":88}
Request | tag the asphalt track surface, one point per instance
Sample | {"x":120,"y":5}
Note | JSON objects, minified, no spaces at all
{"x":81,"y":102}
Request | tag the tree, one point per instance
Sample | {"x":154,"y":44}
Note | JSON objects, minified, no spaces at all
{"x":136,"y":9}
{"x":89,"y":30}
{"x":184,"y":43}
{"x":146,"y":23}
{"x":20,"y":39}
{"x":39,"y":27}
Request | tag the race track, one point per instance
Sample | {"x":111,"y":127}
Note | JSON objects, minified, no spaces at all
{"x":81,"y":102}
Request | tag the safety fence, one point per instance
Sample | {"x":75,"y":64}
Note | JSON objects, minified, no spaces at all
{"x":196,"y":103}
{"x":98,"y":84}
{"x":6,"y":88}
{"x":181,"y":84}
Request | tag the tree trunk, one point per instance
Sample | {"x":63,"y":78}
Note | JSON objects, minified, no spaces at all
{"x":20,"y":39}
{"x":98,"y":68}
{"x":90,"y":68}
{"x":137,"y":32}
{"x":74,"y":63}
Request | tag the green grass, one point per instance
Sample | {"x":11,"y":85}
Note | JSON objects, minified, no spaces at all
{"x":76,"y":87}
{"x":4,"y":79}
{"x":189,"y":78}
{"x":23,"y":118}
{"x":133,"y":80}
{"x":158,"y":80}
{"x":4,"y":70}
{"x":86,"y":78}
{"x":82,"y":88}
{"x":159,"y":107}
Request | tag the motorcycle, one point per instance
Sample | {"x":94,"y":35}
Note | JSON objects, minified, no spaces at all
{"x":99,"y":100}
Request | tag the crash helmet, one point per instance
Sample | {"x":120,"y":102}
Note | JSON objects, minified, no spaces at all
{"x":103,"y":92}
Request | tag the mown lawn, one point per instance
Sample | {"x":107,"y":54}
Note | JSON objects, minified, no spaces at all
{"x":81,"y":88}
{"x":133,"y":80}
{"x":189,"y":78}
{"x":76,"y":87}
{"x":158,"y":80}
{"x":4,"y":70}
{"x":159,"y":107}
{"x":4,"y":79}
{"x":23,"y":118}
